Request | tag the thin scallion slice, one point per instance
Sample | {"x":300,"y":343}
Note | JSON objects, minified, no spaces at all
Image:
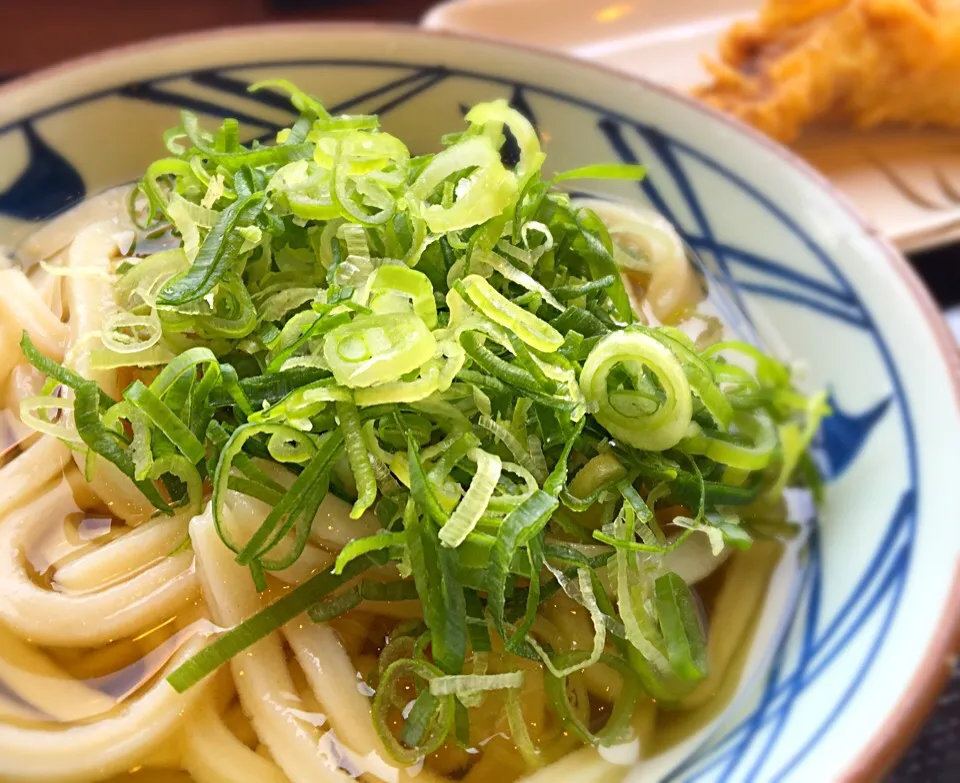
{"x":265,"y":622}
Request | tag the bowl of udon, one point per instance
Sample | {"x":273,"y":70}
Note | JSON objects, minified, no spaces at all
{"x":387,"y":405}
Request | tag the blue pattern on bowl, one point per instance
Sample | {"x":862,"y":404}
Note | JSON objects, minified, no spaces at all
{"x":48,"y":185}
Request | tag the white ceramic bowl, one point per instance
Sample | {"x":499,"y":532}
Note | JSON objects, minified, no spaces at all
{"x":858,"y":625}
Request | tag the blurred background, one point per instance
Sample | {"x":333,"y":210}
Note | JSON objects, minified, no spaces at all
{"x":907,"y":181}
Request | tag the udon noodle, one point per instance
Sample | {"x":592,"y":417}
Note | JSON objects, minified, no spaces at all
{"x":490,"y":440}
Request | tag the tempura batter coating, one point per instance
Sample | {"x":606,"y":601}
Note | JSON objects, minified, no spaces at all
{"x":863,"y":62}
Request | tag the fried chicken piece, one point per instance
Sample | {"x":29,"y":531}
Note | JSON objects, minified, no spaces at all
{"x":863,"y":62}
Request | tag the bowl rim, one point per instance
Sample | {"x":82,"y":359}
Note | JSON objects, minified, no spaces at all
{"x":890,"y":739}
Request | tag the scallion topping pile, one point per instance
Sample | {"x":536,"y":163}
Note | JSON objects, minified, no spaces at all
{"x":445,"y":341}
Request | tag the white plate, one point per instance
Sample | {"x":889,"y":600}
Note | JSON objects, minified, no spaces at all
{"x":906,"y":181}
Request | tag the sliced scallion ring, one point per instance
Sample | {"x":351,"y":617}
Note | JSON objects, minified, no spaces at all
{"x":429,"y":719}
{"x":633,"y":415}
{"x":378,"y":348}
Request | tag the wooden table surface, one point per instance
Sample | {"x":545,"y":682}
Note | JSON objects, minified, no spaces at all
{"x":37,"y":33}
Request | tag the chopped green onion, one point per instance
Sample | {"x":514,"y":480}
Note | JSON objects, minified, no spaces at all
{"x":362,"y":546}
{"x":533,"y":331}
{"x":58,"y":372}
{"x":430,"y":718}
{"x":166,"y":421}
{"x":604,"y":171}
{"x":475,"y":501}
{"x":31,"y":414}
{"x":519,"y":732}
{"x":331,"y":608}
{"x":724,"y":449}
{"x":470,"y":683}
{"x":105,"y":443}
{"x":358,"y":456}
{"x":377,"y":348}
{"x":617,"y":727}
{"x":446,"y":341}
{"x":265,"y":622}
{"x":584,"y":596}
{"x":499,"y":112}
{"x":444,"y":607}
{"x":521,"y":525}
{"x":636,"y":416}
{"x":392,"y":283}
{"x":482,"y":195}
{"x":680,"y":623}
{"x":218,"y":251}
